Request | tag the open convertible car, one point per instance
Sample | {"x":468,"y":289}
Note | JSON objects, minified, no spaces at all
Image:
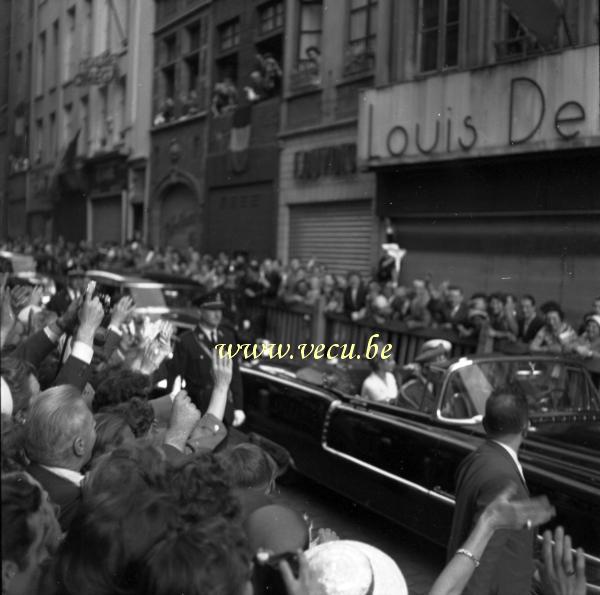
{"x":400,"y":459}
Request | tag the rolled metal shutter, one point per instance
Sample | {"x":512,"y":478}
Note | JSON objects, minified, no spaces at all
{"x":106,"y":219}
{"x":336,"y":234}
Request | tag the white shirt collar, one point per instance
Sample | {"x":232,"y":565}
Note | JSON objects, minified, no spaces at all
{"x":208,"y":331}
{"x":68,"y":474}
{"x":513,"y":456}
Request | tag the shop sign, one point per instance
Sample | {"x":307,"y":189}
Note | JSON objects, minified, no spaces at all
{"x":551,"y":102}
{"x":337,"y":160}
{"x":99,"y":70}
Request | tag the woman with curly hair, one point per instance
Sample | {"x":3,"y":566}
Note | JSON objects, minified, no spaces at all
{"x":30,"y":533}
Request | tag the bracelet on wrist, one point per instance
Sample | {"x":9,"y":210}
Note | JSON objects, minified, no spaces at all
{"x":468,"y":554}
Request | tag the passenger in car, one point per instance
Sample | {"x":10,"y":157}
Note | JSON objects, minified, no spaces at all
{"x":418,"y":386}
{"x":380,"y":385}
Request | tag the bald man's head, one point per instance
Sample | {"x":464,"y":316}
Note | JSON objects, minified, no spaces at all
{"x":60,"y":429}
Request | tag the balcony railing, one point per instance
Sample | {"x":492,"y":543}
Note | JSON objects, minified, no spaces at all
{"x":359,"y":63}
{"x":306,"y":75}
{"x":517,"y":47}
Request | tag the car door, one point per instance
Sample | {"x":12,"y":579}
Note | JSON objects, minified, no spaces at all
{"x":382,"y":456}
{"x":288,"y":413}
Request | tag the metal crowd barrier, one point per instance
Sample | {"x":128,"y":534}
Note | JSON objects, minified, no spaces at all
{"x":407,"y":342}
{"x":297,"y":324}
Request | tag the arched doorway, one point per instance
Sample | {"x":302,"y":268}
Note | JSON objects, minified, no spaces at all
{"x":180,"y":221}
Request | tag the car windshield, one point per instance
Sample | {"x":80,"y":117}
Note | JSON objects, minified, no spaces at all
{"x":144,"y":297}
{"x":550,"y":386}
{"x":17,"y":263}
{"x":179,"y":296}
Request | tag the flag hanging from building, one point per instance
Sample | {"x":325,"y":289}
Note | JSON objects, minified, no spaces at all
{"x":64,"y":164}
{"x":239,"y":140}
{"x":540,"y":17}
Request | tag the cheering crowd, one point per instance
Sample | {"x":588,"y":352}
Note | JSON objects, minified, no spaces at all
{"x":112,"y":484}
{"x":513,"y":324}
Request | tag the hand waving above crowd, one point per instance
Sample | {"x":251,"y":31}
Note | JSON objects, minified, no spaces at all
{"x":91,"y":314}
{"x":122,"y":311}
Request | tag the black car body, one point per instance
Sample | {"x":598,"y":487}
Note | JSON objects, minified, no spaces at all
{"x":148,"y":297}
{"x":179,"y":291}
{"x":400,"y":460}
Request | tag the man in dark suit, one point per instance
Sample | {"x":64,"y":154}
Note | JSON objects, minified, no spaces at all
{"x":506,"y":567}
{"x":454,"y":312}
{"x":531,"y":322}
{"x":355,"y":297}
{"x":192,"y":359}
{"x":59,"y":438}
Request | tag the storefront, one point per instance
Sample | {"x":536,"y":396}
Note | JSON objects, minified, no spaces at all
{"x":326,"y":205}
{"x":106,"y":200}
{"x":491,"y":176}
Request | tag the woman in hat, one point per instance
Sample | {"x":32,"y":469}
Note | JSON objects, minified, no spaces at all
{"x":587,"y":344}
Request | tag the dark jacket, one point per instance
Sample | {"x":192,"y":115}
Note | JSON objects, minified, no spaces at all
{"x":461,"y":316}
{"x":62,"y":492}
{"x":192,"y":361}
{"x":527,"y":336}
{"x":74,"y":371}
{"x":354,"y":305}
{"x":507,"y":564}
{"x":60,"y":301}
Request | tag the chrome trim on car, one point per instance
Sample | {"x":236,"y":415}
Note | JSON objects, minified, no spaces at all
{"x":387,"y":474}
{"x":411,"y":484}
{"x":294,"y":384}
{"x":106,"y":274}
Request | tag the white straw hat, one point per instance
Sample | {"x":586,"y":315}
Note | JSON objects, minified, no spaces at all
{"x":348,"y":567}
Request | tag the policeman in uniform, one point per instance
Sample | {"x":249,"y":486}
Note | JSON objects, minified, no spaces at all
{"x":193,"y":354}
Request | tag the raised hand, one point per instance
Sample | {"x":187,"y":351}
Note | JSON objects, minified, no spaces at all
{"x":184,"y":417}
{"x":156,"y":351}
{"x":222,"y":369}
{"x":303,"y":585}
{"x":91,"y":314}
{"x":517,"y":514}
{"x":35,"y":297}
{"x":122,"y":311}
{"x":68,"y":321}
{"x":20,"y":297}
{"x":559,"y":573}
{"x":7,"y":315}
{"x":326,"y":535}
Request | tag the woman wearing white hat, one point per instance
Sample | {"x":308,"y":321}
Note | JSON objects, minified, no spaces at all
{"x":587,"y":344}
